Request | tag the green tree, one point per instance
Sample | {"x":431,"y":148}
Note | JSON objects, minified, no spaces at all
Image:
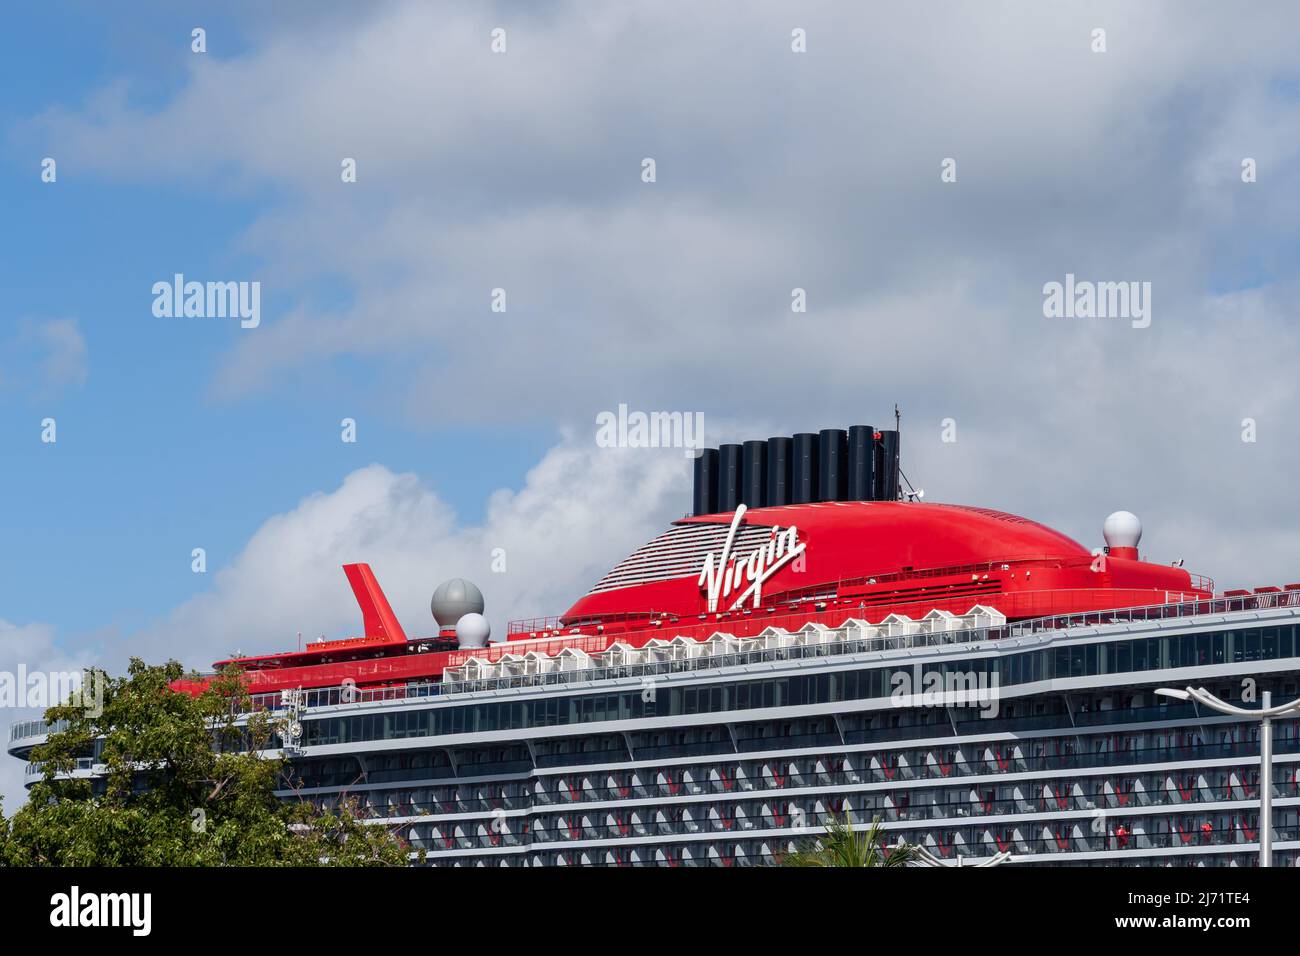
{"x":182,"y":785}
{"x":841,"y":845}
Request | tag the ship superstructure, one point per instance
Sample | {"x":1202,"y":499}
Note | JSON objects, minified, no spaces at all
{"x":810,"y":642}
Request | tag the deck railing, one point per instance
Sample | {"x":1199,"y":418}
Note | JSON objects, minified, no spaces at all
{"x":711,"y":658}
{"x":727,"y":656}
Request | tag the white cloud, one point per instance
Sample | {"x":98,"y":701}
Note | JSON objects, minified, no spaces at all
{"x":818,"y":170}
{"x":580,"y":509}
{"x":45,"y":357}
{"x":65,"y":352}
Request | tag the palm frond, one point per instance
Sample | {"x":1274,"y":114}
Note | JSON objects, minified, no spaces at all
{"x":841,"y":845}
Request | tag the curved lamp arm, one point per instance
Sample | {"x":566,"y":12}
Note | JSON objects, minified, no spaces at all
{"x":925,"y":858}
{"x":1203,"y":696}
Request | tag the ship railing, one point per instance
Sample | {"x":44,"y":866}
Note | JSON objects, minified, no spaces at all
{"x":725,"y":657}
{"x":838,"y":586}
{"x":547,"y":626}
{"x":835,"y":642}
{"x":705,"y":657}
{"x":1260,"y":599}
{"x":832,"y":589}
{"x":36,"y":728}
{"x":36,"y":768}
{"x":708,"y":658}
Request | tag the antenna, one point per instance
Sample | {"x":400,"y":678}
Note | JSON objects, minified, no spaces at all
{"x":898,"y":464}
{"x":912,"y":494}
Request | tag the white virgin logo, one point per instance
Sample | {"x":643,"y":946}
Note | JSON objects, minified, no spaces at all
{"x":723,"y":574}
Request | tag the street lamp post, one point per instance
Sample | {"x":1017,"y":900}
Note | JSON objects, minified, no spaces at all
{"x":1265,"y":716}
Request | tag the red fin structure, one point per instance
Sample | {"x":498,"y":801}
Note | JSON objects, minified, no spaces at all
{"x":377,"y":616}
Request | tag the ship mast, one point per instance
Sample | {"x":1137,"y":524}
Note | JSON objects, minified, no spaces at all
{"x":912,"y":494}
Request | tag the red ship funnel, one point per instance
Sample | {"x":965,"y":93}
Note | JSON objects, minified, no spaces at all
{"x":377,"y":617}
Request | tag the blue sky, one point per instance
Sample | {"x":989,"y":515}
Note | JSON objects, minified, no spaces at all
{"x":99,"y":527}
{"x":776,"y":170}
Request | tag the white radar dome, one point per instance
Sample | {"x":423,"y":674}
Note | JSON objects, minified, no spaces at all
{"x":453,"y":600}
{"x":1122,"y":530}
{"x":473,"y":630}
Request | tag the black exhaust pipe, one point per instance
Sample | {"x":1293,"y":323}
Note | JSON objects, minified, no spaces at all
{"x":778,"y":471}
{"x":704,"y":501}
{"x":804,"y":469}
{"x":729,"y":466}
{"x":753,"y":474}
{"x":862,"y":463}
{"x":887,"y":466}
{"x":832,"y":444}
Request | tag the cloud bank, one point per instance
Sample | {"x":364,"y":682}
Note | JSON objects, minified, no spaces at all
{"x":579,"y":510}
{"x":779,"y":170}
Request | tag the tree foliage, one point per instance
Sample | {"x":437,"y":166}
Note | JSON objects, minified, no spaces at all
{"x":841,"y":845}
{"x":178,"y":782}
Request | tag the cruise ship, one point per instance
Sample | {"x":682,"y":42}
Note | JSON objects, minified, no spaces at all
{"x":813,"y":641}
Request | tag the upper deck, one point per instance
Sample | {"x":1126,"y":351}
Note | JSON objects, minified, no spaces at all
{"x":750,"y":570}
